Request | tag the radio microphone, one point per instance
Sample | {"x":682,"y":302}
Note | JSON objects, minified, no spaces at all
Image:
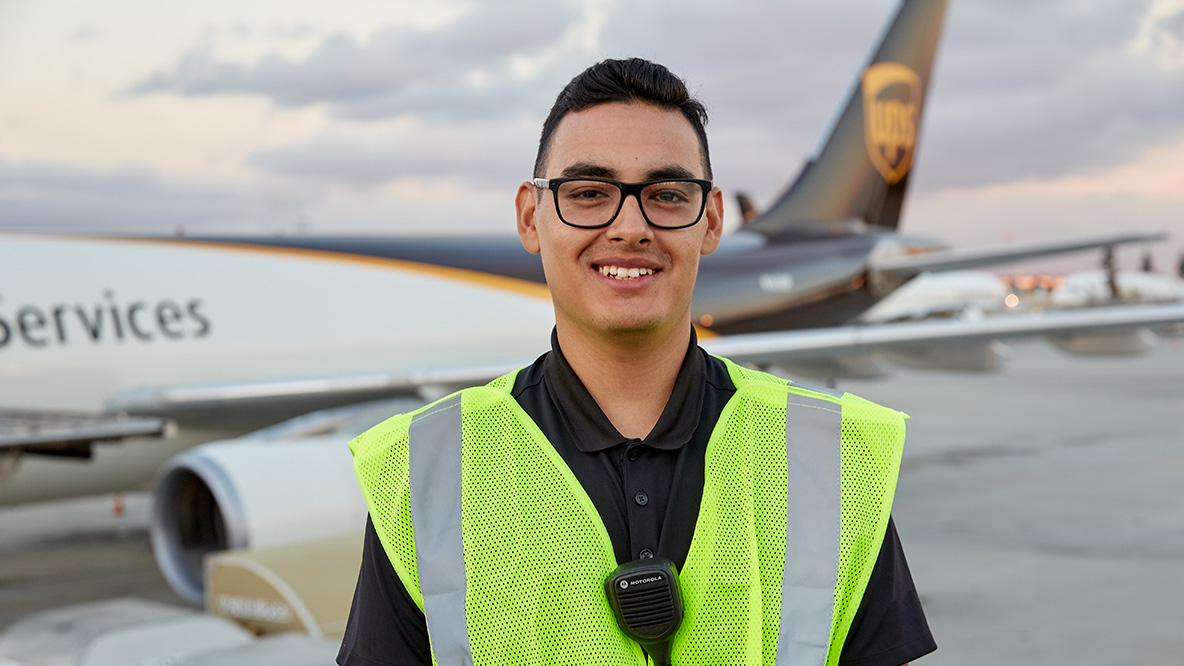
{"x":645,"y":599}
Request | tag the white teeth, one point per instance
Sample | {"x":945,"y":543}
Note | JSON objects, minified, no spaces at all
{"x":624,"y":273}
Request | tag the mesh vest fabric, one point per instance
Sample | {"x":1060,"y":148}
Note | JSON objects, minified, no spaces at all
{"x":746,"y":482}
{"x":536,"y":553}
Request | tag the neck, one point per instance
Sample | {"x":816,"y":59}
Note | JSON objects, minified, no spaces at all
{"x":629,"y":376}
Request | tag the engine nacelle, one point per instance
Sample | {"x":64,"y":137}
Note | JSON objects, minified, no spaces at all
{"x":242,"y":494}
{"x":287,"y":484}
{"x":955,"y":357}
{"x":1129,"y":342}
{"x":863,"y":365}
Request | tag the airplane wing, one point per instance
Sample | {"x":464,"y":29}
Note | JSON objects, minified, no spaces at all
{"x":774,"y":347}
{"x":948,"y":260}
{"x":251,"y":403}
{"x":71,"y":434}
{"x":225,"y":403}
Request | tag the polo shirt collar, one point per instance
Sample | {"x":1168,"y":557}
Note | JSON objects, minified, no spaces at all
{"x":593,"y":431}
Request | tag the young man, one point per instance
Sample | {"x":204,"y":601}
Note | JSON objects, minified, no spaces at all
{"x":497,"y":513}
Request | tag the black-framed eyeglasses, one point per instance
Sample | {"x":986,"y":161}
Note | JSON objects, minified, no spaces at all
{"x":592,"y":203}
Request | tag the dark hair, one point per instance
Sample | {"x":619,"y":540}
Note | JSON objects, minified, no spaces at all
{"x":632,"y":80}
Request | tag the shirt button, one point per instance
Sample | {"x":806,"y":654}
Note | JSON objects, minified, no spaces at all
{"x":634,"y":453}
{"x":646,"y":554}
{"x":641,"y":498}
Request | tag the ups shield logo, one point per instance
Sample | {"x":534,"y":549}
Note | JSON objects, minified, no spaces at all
{"x":891,"y":109}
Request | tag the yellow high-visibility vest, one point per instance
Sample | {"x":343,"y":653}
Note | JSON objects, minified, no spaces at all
{"x":499,"y":545}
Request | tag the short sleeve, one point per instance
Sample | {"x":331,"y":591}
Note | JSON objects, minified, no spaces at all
{"x":385,"y":627}
{"x":889,"y":628}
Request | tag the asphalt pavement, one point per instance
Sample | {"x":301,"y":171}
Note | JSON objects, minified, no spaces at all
{"x":1042,"y":508}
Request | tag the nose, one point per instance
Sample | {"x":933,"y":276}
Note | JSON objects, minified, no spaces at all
{"x":630,"y":225}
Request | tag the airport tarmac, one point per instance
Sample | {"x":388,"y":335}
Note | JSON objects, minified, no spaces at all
{"x":72,"y":551}
{"x":1041,"y":509}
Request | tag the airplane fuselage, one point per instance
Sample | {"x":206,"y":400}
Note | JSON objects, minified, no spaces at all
{"x":83,"y":318}
{"x":752,"y":283}
{"x":86,"y":321}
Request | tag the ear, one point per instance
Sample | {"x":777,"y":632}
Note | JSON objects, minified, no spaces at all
{"x":526,"y":203}
{"x":715,"y":221}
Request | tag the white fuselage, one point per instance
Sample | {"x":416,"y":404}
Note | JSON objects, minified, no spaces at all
{"x":85,"y":319}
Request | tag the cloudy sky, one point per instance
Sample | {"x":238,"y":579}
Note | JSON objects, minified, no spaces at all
{"x":1045,"y":119}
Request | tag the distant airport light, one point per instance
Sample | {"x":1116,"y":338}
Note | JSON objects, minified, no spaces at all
{"x":1011,"y":300}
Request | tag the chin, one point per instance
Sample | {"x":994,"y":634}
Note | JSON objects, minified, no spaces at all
{"x":633,"y":326}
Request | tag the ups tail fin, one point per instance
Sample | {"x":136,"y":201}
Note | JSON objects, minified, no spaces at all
{"x":863,"y":168}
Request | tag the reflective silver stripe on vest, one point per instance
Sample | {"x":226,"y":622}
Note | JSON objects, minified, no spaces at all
{"x":435,"y":444}
{"x":834,"y":393}
{"x":812,"y":431}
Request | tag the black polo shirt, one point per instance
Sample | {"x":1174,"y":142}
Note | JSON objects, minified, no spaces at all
{"x":647,"y":492}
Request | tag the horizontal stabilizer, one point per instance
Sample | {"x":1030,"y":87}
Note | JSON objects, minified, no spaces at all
{"x":948,"y":260}
{"x":771,"y":348}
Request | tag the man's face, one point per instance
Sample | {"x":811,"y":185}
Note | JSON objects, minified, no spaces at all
{"x":629,"y":143}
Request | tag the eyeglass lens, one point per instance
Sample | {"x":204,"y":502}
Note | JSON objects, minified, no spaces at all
{"x":591,"y":203}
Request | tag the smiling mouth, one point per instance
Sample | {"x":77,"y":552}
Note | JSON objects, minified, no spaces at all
{"x":621,"y":273}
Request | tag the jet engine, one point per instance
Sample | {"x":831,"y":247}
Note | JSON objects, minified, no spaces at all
{"x":957,"y":357}
{"x":290,"y":483}
{"x":1128,"y":342}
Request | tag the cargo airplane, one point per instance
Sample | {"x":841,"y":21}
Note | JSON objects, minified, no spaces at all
{"x":108,"y":340}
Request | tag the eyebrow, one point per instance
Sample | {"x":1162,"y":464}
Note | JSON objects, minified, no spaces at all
{"x":590,"y":170}
{"x":670,"y":171}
